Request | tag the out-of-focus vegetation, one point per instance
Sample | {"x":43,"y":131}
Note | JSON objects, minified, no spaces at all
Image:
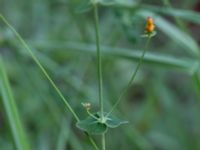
{"x":162,"y":105}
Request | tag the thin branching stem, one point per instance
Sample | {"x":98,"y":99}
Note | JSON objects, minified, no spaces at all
{"x":132,"y":77}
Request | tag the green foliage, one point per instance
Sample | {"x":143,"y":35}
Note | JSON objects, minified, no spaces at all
{"x":94,"y":124}
{"x":12,"y":111}
{"x":113,"y":122}
{"x":162,"y":105}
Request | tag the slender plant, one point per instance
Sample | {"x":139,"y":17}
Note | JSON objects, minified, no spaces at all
{"x":99,"y":122}
{"x":149,"y":33}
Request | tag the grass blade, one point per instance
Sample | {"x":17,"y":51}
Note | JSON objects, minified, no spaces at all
{"x":196,"y":80}
{"x":12,"y":112}
{"x":156,"y":59}
{"x":64,"y":134}
{"x":47,"y":76}
{"x":188,"y":15}
{"x":41,"y":67}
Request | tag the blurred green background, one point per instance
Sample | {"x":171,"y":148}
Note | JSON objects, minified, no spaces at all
{"x":162,"y":105}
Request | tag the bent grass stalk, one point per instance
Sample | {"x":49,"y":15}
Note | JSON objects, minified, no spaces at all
{"x":132,"y":77}
{"x":46,"y":75}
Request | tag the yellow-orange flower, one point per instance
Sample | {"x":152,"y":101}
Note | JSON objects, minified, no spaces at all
{"x":149,"y":25}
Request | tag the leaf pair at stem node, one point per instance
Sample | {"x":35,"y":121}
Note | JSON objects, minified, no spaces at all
{"x":96,"y":124}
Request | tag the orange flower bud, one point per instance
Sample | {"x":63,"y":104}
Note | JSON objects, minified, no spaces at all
{"x":149,"y":25}
{"x":150,"y":20}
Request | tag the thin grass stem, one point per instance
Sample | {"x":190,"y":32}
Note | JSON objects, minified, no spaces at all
{"x":47,"y":76}
{"x":132,"y":78}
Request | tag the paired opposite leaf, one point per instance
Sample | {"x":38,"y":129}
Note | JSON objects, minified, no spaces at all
{"x":95,"y":126}
{"x":92,"y":126}
{"x":113,"y":122}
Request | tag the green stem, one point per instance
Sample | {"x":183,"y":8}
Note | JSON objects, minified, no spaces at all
{"x":47,"y":76}
{"x":132,"y":77}
{"x":41,"y":67}
{"x":92,"y":141}
{"x":92,"y":115}
{"x":103,"y":142}
{"x":99,"y":67}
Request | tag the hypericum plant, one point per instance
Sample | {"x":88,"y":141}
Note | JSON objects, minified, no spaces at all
{"x":96,"y":122}
{"x":99,"y":122}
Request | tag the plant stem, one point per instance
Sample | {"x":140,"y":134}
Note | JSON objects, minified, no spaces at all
{"x":99,"y":70}
{"x":92,"y":141}
{"x":47,"y":76}
{"x":92,"y":115}
{"x":99,"y":67}
{"x":132,"y":77}
{"x":103,"y":142}
{"x":41,"y":67}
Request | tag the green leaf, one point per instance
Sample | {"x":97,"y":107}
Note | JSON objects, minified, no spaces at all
{"x":196,"y":80}
{"x":92,"y":126}
{"x":151,"y":58}
{"x":11,"y":111}
{"x":146,"y":35}
{"x":113,"y":122}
